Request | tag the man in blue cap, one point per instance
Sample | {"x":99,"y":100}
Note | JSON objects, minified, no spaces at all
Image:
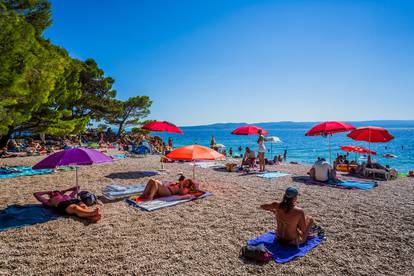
{"x":292,"y":224}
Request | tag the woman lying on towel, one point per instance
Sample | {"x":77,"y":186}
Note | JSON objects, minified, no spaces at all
{"x":155,"y":188}
{"x":68,"y":204}
{"x":293,"y":225}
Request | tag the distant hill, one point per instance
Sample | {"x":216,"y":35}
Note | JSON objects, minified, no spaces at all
{"x":299,"y":125}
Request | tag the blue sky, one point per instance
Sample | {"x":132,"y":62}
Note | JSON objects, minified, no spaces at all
{"x":249,"y":61}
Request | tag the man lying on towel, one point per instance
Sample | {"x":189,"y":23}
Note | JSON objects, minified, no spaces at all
{"x":68,"y":204}
{"x":155,"y":188}
{"x":293,"y":225}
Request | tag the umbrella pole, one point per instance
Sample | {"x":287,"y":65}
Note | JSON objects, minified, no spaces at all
{"x":77,"y":185}
{"x":271,"y":150}
{"x":193,"y":170}
{"x":330,"y":152}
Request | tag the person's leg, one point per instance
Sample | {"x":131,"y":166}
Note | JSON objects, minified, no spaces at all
{"x":308,"y":225}
{"x":154,"y":190}
{"x":261,"y":161}
{"x":149,"y":187}
{"x":81,"y":211}
{"x":312,"y":173}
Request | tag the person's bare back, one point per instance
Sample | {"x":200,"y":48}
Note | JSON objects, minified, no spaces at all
{"x":292,"y":224}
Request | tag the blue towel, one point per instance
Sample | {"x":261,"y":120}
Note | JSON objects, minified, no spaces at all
{"x":17,"y":216}
{"x":285,"y":253}
{"x":355,"y":184}
{"x":270,"y":175}
{"x":23,"y":171}
{"x":118,"y":156}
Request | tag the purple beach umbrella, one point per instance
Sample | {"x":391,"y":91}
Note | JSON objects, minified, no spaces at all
{"x":77,"y":156}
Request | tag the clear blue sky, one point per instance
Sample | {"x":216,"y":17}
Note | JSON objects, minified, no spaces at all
{"x":250,"y":61}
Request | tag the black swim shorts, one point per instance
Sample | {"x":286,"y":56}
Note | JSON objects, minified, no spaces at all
{"x":61,"y":207}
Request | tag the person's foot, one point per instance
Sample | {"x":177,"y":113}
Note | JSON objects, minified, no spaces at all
{"x":95,"y":218}
{"x":96,"y":212}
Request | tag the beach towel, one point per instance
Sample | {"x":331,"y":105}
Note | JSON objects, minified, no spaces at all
{"x":340,"y":183}
{"x":356,"y":184}
{"x":147,"y":173}
{"x":118,"y":156}
{"x":22,"y":171}
{"x":66,"y":168}
{"x":285,"y":253}
{"x":163,"y":202}
{"x":17,"y":216}
{"x":207,"y":164}
{"x":116,"y":191}
{"x":270,"y":175}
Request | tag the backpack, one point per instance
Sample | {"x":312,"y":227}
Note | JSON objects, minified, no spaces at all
{"x":88,"y":198}
{"x":257,"y":253}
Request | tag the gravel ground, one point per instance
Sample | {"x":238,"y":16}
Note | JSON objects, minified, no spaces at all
{"x":369,"y":232}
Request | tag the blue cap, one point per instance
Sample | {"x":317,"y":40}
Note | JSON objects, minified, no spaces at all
{"x":291,"y":192}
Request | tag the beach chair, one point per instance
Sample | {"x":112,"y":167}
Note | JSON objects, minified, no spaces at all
{"x":374,"y":173}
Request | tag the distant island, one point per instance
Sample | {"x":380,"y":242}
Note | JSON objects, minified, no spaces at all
{"x":299,"y":125}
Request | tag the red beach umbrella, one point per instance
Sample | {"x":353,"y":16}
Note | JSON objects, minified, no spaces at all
{"x":248,"y":130}
{"x":327,"y":129}
{"x":358,"y":149}
{"x":193,"y":153}
{"x":162,"y":127}
{"x":371,"y":134}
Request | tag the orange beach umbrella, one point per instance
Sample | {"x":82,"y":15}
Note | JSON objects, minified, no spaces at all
{"x":194,"y":153}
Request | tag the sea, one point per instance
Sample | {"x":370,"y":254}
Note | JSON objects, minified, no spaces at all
{"x":305,"y":149}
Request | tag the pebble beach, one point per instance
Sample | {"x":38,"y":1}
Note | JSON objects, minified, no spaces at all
{"x":368,"y":232}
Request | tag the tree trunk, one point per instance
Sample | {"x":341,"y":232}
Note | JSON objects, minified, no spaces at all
{"x":121,"y":126}
{"x":5,"y":138}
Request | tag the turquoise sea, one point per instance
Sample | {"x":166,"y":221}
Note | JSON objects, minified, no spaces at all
{"x":301,"y":148}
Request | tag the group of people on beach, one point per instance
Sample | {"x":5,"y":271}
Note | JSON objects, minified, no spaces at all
{"x":292,"y":224}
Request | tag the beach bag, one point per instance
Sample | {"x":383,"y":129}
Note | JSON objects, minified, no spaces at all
{"x":257,"y":253}
{"x":88,"y":198}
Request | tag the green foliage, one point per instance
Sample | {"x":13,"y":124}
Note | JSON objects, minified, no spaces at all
{"x":129,"y":112}
{"x":43,"y":89}
{"x":26,"y":71}
{"x":36,"y":12}
{"x":102,"y":127}
{"x":138,"y":130}
{"x":97,"y":94}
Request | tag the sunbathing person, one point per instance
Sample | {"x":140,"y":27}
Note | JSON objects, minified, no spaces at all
{"x":155,"y":188}
{"x":293,"y":225}
{"x":249,"y":158}
{"x":68,"y":204}
{"x":4,"y":153}
{"x":322,"y":171}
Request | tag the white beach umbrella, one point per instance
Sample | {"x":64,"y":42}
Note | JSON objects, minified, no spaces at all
{"x":273,"y":139}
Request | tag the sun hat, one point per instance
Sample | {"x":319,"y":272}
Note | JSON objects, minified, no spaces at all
{"x":291,"y":192}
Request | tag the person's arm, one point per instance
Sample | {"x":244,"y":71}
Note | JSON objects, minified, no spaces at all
{"x":40,"y":198}
{"x":269,"y":207}
{"x":74,"y":191}
{"x":302,"y":221}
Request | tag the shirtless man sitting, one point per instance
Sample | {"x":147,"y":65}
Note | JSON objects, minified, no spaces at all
{"x":293,"y":225}
{"x":249,"y":158}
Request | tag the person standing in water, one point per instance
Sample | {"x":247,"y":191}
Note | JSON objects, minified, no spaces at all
{"x":212,"y":141}
{"x":261,"y":151}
